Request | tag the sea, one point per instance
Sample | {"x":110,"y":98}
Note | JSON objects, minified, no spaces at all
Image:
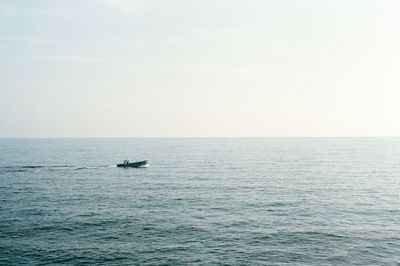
{"x":201,"y":201}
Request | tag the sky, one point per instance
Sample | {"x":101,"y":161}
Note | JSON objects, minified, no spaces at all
{"x":199,"y":68}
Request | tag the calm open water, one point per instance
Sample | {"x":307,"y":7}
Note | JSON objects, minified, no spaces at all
{"x":202,"y":201}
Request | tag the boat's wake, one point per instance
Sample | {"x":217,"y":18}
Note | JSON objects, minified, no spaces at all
{"x":39,"y":168}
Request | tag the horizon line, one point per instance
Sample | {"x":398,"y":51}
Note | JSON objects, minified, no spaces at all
{"x":207,"y":137}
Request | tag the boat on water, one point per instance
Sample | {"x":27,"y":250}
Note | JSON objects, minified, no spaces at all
{"x":136,"y":164}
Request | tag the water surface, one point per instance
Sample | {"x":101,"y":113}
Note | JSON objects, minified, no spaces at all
{"x":202,"y":201}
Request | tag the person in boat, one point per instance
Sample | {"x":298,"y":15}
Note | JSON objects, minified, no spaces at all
{"x":126,"y":161}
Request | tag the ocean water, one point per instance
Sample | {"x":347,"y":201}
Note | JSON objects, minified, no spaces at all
{"x":255,"y":201}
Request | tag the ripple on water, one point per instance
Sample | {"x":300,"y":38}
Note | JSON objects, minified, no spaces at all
{"x":201,"y":201}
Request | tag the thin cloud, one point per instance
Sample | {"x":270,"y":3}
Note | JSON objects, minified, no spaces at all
{"x":8,"y":10}
{"x":31,"y":40}
{"x":126,"y":6}
{"x":71,"y":58}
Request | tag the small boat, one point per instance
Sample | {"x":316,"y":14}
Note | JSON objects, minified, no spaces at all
{"x":136,"y":164}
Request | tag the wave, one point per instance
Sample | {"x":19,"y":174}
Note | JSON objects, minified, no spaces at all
{"x":13,"y":170}
{"x":37,"y":168}
{"x":29,"y":168}
{"x":96,"y":167}
{"x":32,"y":166}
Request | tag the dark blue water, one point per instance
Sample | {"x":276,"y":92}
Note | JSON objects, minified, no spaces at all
{"x":201,"y":201}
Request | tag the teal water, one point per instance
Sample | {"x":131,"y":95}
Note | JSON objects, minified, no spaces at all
{"x":202,"y":201}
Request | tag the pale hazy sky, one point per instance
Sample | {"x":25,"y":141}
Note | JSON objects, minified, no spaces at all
{"x":199,"y":68}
